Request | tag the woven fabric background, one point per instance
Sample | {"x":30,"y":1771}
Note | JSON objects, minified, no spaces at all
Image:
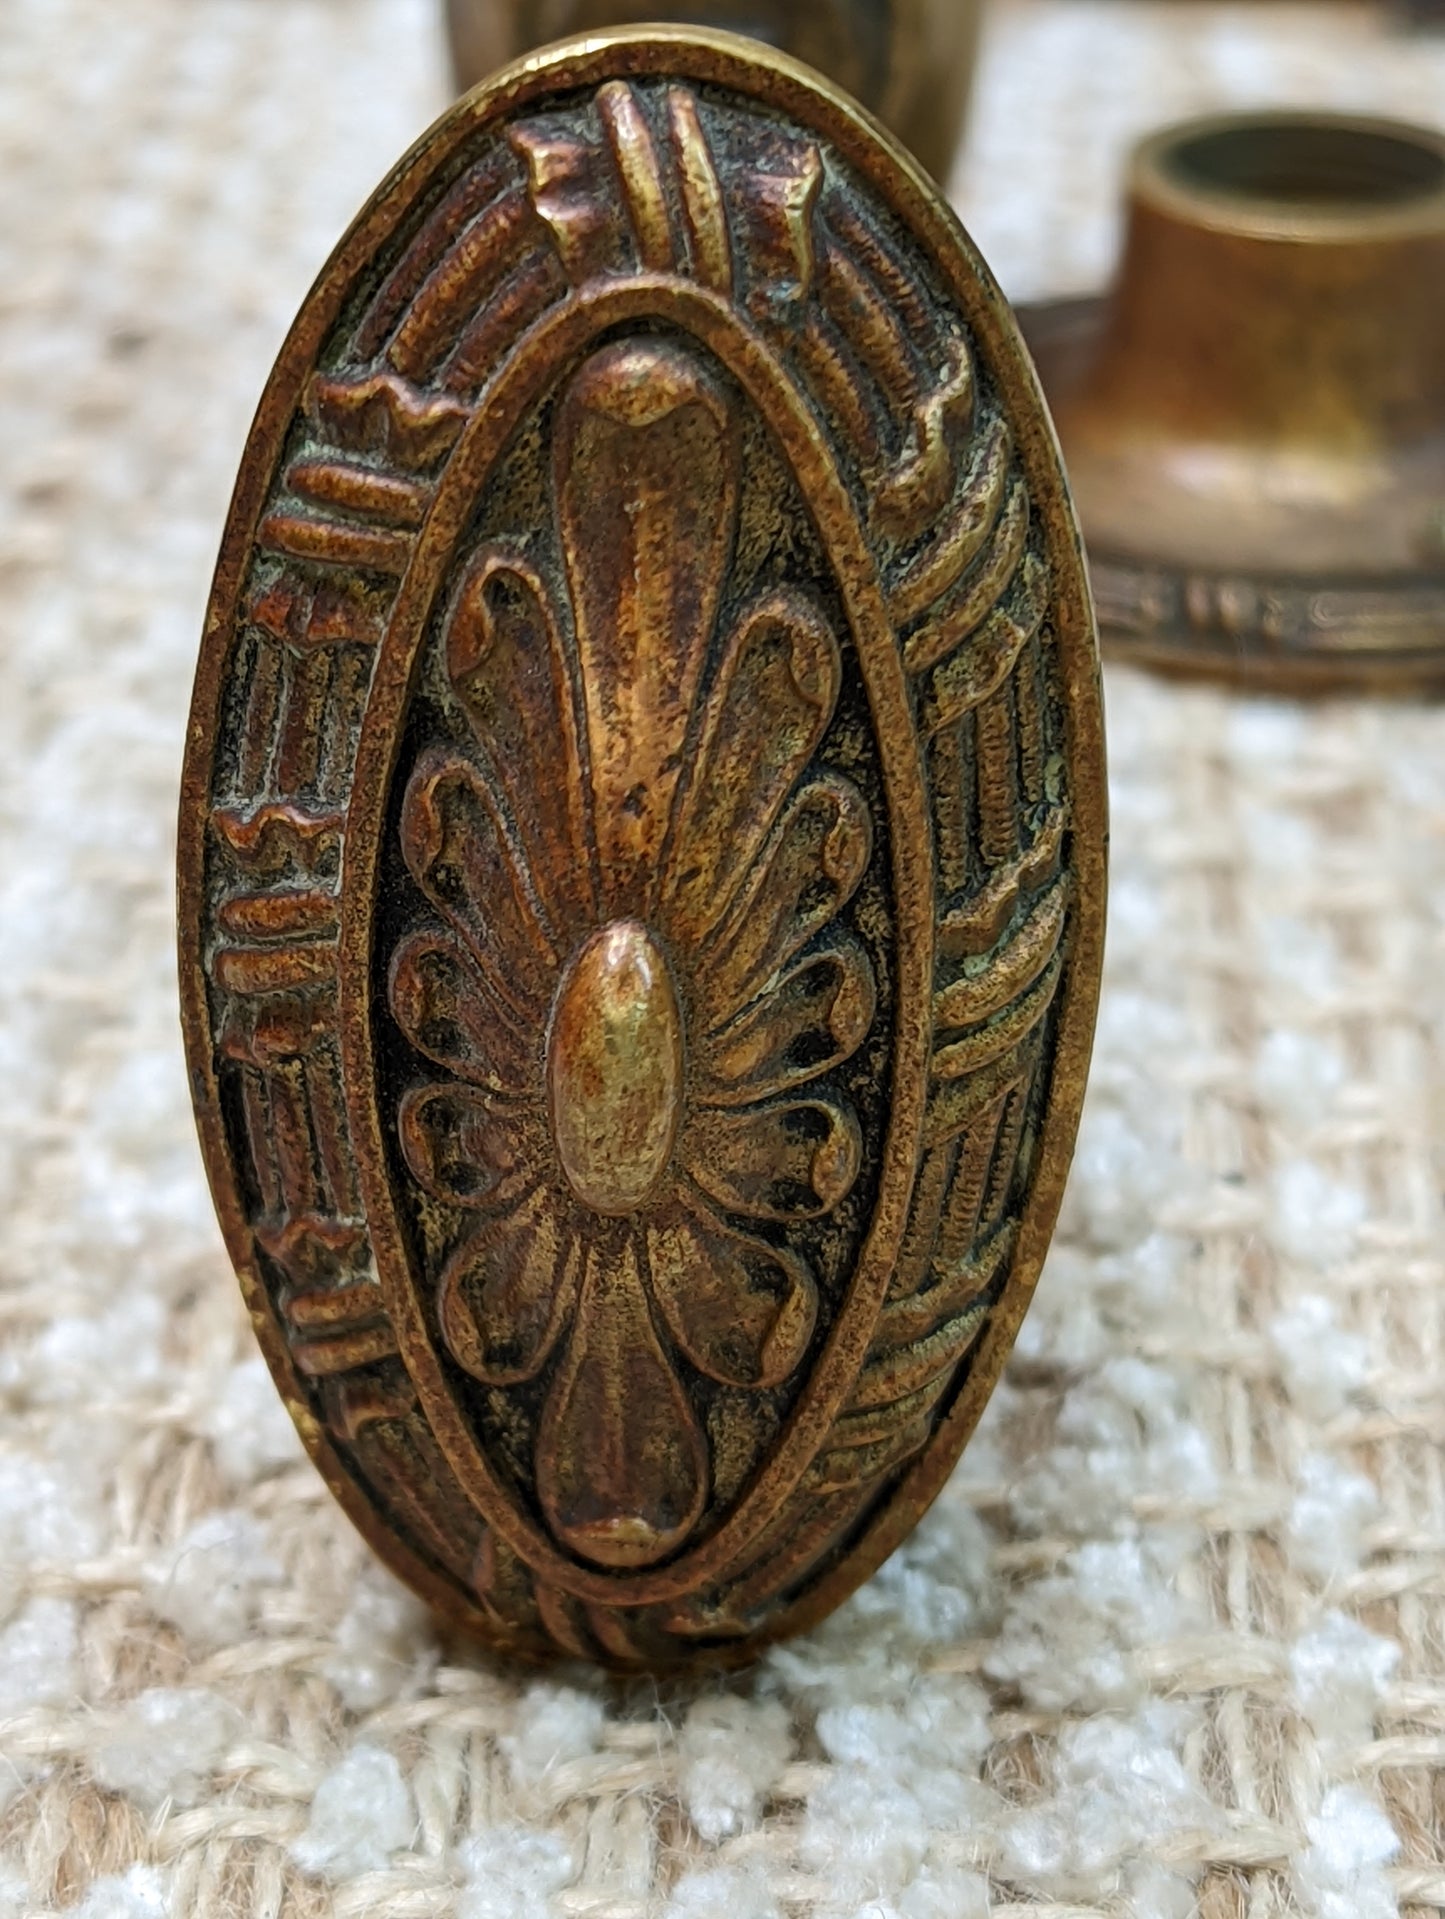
{"x":1173,"y":1639}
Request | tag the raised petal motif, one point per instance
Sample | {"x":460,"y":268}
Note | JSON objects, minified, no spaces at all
{"x":805,"y":875}
{"x":815,"y":1018}
{"x":462,"y":1146}
{"x":506,"y":661}
{"x":741,"y":1310}
{"x":621,"y":1461}
{"x":773,"y":697}
{"x":647,"y":478}
{"x":794,"y":1159}
{"x":446,"y":1007}
{"x":461,"y":852}
{"x":508,"y":1289}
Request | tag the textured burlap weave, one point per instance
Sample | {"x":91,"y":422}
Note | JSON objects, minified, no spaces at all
{"x":1175,"y":1635}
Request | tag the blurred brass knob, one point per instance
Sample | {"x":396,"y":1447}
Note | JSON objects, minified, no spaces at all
{"x":909,"y":61}
{"x":1254,"y":419}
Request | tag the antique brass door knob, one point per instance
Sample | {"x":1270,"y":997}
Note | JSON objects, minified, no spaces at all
{"x":909,"y":61}
{"x":642,"y":853}
{"x":1254,"y":419}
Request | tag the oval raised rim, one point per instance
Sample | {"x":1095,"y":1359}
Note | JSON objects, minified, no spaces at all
{"x":700,"y":55}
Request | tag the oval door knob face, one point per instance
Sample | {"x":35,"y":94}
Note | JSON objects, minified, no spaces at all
{"x":642,"y":854}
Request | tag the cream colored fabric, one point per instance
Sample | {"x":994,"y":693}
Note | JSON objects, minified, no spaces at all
{"x":1176,"y":1631}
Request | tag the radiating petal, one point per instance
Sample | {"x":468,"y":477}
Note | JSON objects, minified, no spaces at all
{"x":808,"y":871}
{"x":742,"y":1311}
{"x":509,"y":1286}
{"x":462,"y":857}
{"x":444,"y":1005}
{"x":793,"y":1160}
{"x":621,"y":1461}
{"x":811,"y":1020}
{"x":464,"y":1147}
{"x":646,"y":466}
{"x":509,"y":668}
{"x":765,"y":714}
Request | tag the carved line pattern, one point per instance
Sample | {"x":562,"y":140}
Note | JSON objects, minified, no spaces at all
{"x":819,"y":276}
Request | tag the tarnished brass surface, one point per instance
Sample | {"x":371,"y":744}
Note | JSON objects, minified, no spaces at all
{"x":1254,"y":419}
{"x":642,"y":853}
{"x":909,"y":61}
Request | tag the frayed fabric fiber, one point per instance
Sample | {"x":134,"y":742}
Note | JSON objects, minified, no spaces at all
{"x":1173,"y":1638}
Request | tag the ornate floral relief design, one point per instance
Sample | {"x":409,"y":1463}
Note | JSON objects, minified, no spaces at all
{"x":719,"y":1257}
{"x":639,"y":988}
